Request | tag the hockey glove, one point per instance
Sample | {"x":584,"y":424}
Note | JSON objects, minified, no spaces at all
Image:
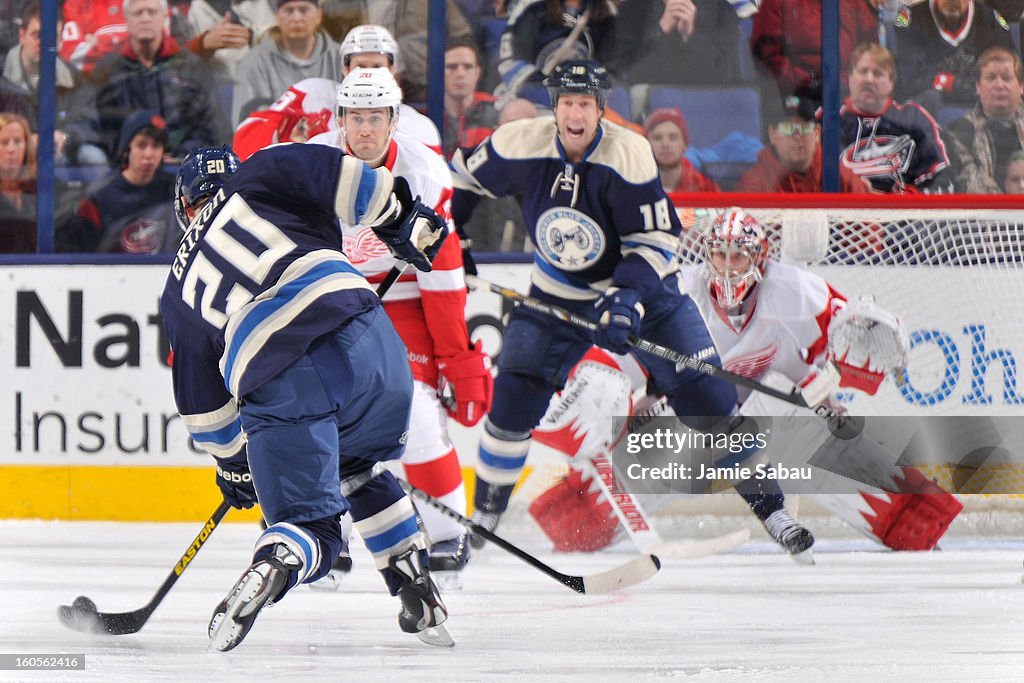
{"x":416,"y":235}
{"x":620,"y":313}
{"x":867,"y":342}
{"x":235,"y":482}
{"x":469,"y":375}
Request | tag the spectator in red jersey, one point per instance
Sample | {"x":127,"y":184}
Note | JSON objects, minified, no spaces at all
{"x":791,"y":162}
{"x":786,"y":40}
{"x":666,"y":130}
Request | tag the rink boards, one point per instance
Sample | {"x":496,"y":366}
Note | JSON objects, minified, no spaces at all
{"x":89,"y":429}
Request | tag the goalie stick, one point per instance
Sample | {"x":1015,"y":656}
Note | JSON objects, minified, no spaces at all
{"x":633,"y":572}
{"x":845,"y":427}
{"x":82,"y":615}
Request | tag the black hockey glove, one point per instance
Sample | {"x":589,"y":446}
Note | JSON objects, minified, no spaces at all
{"x":417,"y":234}
{"x":235,"y":482}
{"x":620,"y":313}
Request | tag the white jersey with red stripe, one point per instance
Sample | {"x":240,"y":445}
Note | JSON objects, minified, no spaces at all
{"x":428,"y":309}
{"x":786,"y":329}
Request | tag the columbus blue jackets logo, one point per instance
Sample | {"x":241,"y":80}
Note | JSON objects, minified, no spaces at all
{"x":569,"y":239}
{"x":881,"y":155}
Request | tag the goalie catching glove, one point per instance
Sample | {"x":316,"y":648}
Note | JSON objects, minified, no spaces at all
{"x":866,"y":342}
{"x":469,"y":376}
{"x":412,"y":230}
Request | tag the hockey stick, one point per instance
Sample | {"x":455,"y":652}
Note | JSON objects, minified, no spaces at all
{"x":82,"y":615}
{"x":390,"y":279}
{"x":794,"y":397}
{"x":633,"y":572}
{"x":635,"y":520}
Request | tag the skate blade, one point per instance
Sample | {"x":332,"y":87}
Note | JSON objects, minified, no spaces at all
{"x":331,"y":583}
{"x":226,"y":632}
{"x":437,"y":636}
{"x":447,"y":580}
{"x":805,"y":558}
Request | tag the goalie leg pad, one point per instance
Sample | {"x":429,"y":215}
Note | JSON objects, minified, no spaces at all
{"x":574,"y":517}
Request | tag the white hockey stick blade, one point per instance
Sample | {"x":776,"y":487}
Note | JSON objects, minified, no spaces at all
{"x":437,"y":636}
{"x":689,"y":550}
{"x":629,"y":574}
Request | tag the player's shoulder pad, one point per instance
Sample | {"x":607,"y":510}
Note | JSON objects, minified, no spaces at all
{"x":627,"y":153}
{"x":526,"y":139}
{"x":331,"y":138}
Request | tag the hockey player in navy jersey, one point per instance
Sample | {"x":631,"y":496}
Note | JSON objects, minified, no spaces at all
{"x":288,"y":371}
{"x":606,"y":237}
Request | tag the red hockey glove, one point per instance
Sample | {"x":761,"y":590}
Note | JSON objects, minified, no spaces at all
{"x":469,"y":375}
{"x":944,"y":82}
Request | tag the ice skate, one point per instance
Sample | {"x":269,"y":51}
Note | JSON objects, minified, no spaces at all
{"x":794,"y":538}
{"x":488,"y":520}
{"x":447,"y":560}
{"x":423,"y":612}
{"x":260,"y":585}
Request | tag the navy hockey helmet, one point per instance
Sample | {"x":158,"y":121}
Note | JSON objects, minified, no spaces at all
{"x":202,"y":173}
{"x":579,"y":76}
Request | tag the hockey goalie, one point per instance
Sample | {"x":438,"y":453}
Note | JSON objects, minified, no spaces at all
{"x":777,"y":324}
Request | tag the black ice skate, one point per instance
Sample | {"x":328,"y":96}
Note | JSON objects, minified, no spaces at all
{"x":447,"y":560}
{"x":423,"y":612}
{"x":794,"y":538}
{"x":262,"y":583}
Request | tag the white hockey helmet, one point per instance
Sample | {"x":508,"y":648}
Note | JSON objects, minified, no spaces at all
{"x":735,"y":233}
{"x":369,"y":38}
{"x":369,"y":89}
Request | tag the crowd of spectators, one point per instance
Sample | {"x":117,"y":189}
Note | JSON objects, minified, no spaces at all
{"x":933,"y":90}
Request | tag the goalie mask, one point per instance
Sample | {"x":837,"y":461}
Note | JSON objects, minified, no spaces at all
{"x":203,"y":172}
{"x":735,"y":255}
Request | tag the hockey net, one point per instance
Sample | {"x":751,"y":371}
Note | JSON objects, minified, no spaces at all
{"x":952,"y":268}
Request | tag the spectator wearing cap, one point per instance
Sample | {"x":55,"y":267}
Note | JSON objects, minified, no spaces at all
{"x":294,"y":49}
{"x":128,"y":211}
{"x":791,"y":162}
{"x":986,"y":136}
{"x":666,"y":130}
{"x":150,"y":71}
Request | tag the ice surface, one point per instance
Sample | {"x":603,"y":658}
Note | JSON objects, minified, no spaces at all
{"x":750,"y":615}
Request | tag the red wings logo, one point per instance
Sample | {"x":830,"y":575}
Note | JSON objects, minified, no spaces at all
{"x":752,"y":365}
{"x":363,"y":246}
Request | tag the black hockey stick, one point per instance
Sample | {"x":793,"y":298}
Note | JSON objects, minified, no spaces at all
{"x":82,"y":615}
{"x":390,"y":279}
{"x":633,"y":572}
{"x":794,"y":397}
{"x":841,"y":426}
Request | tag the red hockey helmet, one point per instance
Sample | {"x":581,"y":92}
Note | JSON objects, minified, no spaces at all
{"x":735,"y":252}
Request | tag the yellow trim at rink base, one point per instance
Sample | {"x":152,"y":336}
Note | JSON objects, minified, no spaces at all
{"x":120,"y":494}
